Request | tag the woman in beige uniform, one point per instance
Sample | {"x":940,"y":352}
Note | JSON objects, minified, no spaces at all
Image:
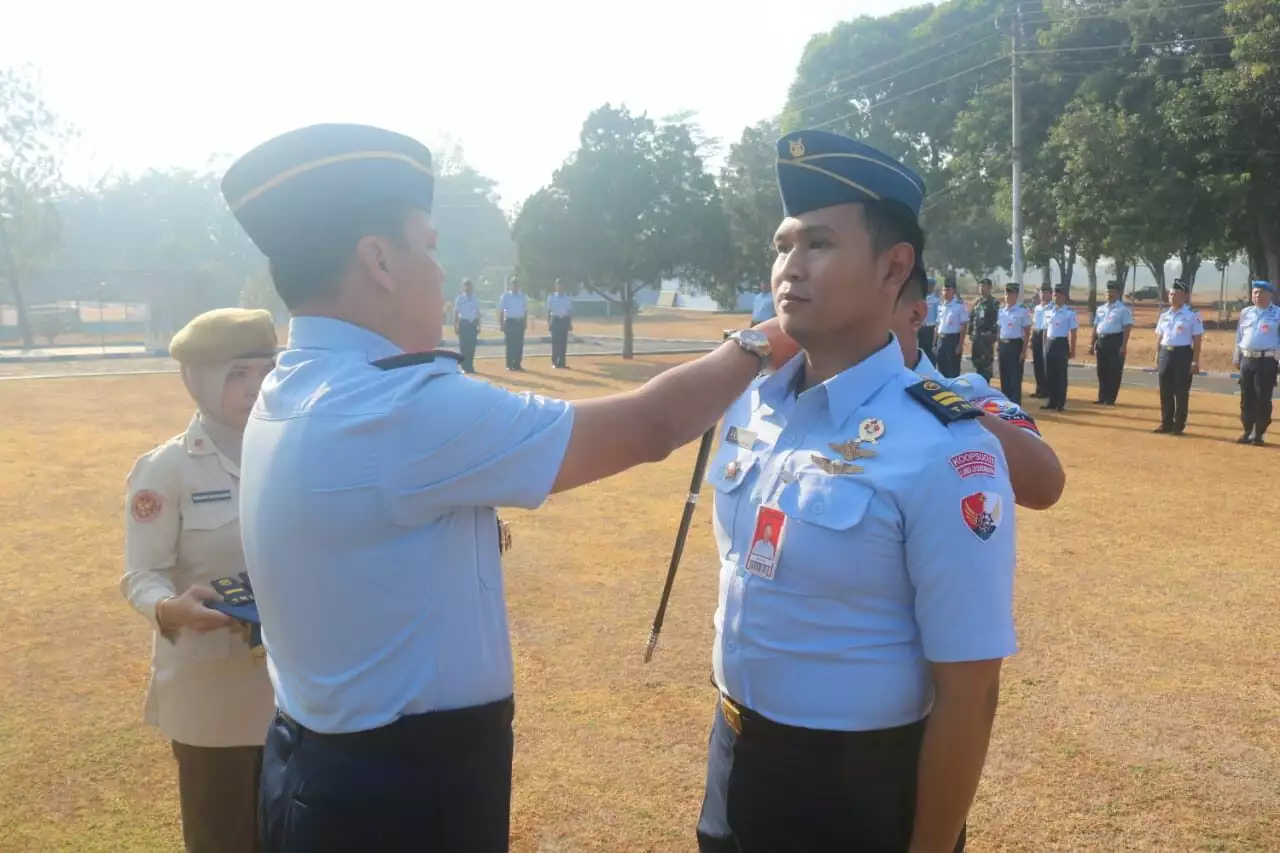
{"x":209,"y":694}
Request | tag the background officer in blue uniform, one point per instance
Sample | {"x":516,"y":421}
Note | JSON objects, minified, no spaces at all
{"x":560,"y":322}
{"x":1060,"y":329}
{"x":762,"y":305}
{"x":1034,"y":469}
{"x":371,"y":469}
{"x":466,"y":324}
{"x":858,"y":667}
{"x":1112,"y":325}
{"x":1179,"y":332}
{"x":1257,"y":347}
{"x":1015,"y":334}
{"x":925,"y":336}
{"x":513,"y":317}
{"x":953,"y":319}
{"x":1044,"y":306}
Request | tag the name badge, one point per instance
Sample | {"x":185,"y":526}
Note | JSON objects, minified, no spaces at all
{"x":743,"y":438}
{"x":766,"y":542}
{"x":211,"y":497}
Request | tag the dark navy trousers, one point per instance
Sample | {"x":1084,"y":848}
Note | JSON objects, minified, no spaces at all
{"x":429,"y":782}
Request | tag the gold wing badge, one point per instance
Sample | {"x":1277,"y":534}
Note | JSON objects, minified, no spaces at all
{"x":835,"y":467}
{"x":850,"y":452}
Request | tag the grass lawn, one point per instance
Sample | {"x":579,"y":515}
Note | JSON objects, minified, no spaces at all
{"x":1141,"y":713}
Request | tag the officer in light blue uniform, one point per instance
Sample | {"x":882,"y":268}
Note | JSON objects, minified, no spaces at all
{"x":865,"y":527}
{"x":1179,"y":332}
{"x":560,"y":322}
{"x":925,"y":337}
{"x":1043,"y":307}
{"x":370,"y":475}
{"x":953,"y":319}
{"x":762,"y":305}
{"x":1257,"y":348}
{"x":1112,"y":325}
{"x":466,"y":324}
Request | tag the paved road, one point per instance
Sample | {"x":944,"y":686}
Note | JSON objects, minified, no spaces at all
{"x":77,"y":361}
{"x":534,"y":352}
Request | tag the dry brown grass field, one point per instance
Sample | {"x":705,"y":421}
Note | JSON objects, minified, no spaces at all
{"x":1141,"y":713}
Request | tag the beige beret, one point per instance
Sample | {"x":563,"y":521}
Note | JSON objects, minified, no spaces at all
{"x":225,"y":334}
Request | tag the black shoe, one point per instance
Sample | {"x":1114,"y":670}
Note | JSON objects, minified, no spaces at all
{"x":1110,"y":403}
{"x":1177,"y":430}
{"x":1099,"y":402}
{"x":1047,"y":406}
{"x":1259,"y":442}
{"x":1162,"y":428}
{"x":1245,"y":439}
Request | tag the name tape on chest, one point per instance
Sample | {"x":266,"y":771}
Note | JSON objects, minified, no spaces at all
{"x":210,"y":497}
{"x":945,"y":405}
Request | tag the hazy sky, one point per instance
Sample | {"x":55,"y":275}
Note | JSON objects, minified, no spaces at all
{"x":160,"y":84}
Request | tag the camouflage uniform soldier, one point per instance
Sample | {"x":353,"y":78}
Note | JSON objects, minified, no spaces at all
{"x":984,"y":329}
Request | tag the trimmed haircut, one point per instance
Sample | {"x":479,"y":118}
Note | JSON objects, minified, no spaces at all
{"x":890,"y":223}
{"x":315,"y":270}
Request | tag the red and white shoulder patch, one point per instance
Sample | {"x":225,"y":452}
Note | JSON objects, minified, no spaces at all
{"x":146,"y":506}
{"x":974,"y":463}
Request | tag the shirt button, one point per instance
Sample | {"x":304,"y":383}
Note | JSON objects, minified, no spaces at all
{"x":755,"y":499}
{"x":789,"y":440}
{"x":731,"y":645}
{"x":817,"y":507}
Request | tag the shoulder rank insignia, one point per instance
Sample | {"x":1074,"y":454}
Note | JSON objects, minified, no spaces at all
{"x":945,"y":405}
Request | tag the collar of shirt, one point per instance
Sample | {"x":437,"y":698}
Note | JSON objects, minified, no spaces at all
{"x":326,"y":333}
{"x":845,"y":392}
{"x":198,"y":442}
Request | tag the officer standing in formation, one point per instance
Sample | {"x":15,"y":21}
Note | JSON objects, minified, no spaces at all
{"x":466,"y":324}
{"x":1060,"y":325}
{"x":1015,"y":335}
{"x":953,"y":316}
{"x":513,"y":316}
{"x":983,"y":330}
{"x":1112,"y":324}
{"x":858,"y":669}
{"x":1034,"y":469}
{"x":372,"y":467}
{"x":925,"y":337}
{"x":1037,"y":339}
{"x":560,"y":321}
{"x":1180,"y":332}
{"x":762,"y":305}
{"x":208,"y":693}
{"x":1257,"y":348}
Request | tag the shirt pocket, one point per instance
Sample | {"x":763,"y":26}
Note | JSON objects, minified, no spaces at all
{"x":835,"y":543}
{"x":212,"y":515}
{"x":728,"y":474}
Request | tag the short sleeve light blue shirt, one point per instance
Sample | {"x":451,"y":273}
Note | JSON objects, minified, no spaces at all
{"x":879,"y":571}
{"x":1259,"y":329}
{"x":952,"y":317}
{"x":1179,"y":327}
{"x":367,"y":504}
{"x":1112,"y":318}
{"x":466,"y":307}
{"x":931,"y":304}
{"x":559,"y":304}
{"x":514,"y":304}
{"x":1038,"y":318}
{"x":1060,"y":321}
{"x":762,"y":307}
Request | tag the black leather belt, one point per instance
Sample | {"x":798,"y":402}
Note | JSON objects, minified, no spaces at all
{"x":418,"y":733}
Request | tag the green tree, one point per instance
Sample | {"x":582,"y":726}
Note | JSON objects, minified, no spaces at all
{"x":633,"y":205}
{"x":750,"y":191}
{"x":30,"y":180}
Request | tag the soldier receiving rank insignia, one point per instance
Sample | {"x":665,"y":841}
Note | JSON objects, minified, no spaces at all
{"x":865,"y":554}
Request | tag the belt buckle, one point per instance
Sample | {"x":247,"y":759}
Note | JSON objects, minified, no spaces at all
{"x":732,"y":715}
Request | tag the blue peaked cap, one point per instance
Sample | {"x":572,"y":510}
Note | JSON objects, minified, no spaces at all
{"x":1263,"y":284}
{"x":291,"y":190}
{"x":817,"y":169}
